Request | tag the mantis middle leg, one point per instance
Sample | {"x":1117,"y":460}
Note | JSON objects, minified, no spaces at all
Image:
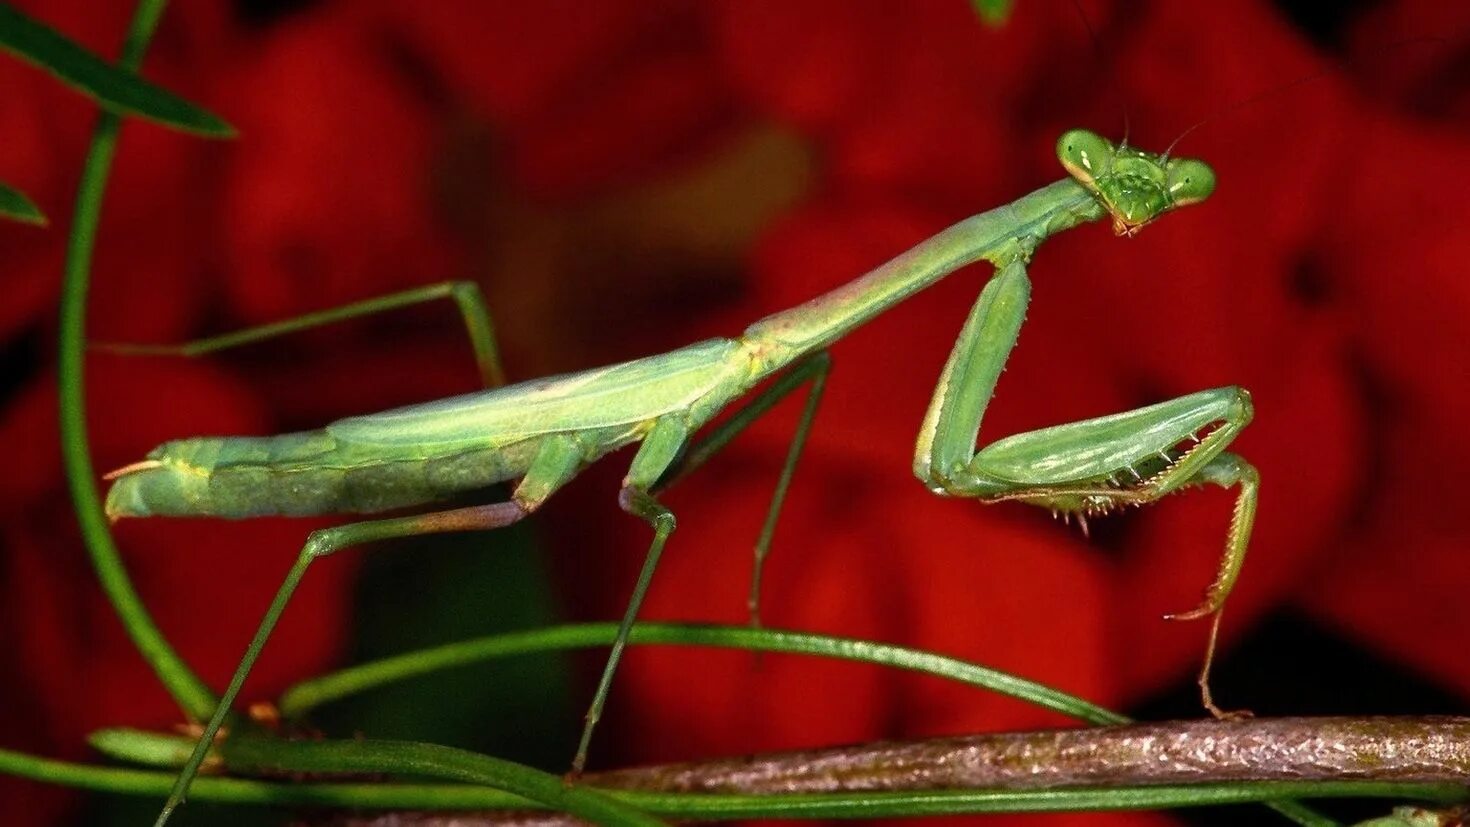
{"x":813,"y":369}
{"x":664,"y":458}
{"x":1085,"y":468}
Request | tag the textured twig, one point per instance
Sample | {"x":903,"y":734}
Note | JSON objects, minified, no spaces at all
{"x":1422,"y":749}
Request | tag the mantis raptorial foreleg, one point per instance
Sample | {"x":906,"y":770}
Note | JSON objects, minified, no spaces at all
{"x":1084,"y":468}
{"x":466,"y":295}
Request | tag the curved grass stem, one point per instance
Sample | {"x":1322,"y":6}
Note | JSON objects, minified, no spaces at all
{"x":193,"y":697}
{"x":307,"y":695}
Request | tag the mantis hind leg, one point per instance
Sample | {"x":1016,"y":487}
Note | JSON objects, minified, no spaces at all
{"x":320,"y":544}
{"x":556,"y":462}
{"x":466,"y":295}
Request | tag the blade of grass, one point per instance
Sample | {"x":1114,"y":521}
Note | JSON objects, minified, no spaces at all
{"x":993,"y":13}
{"x":433,"y":760}
{"x":15,"y":205}
{"x":117,"y":88}
{"x":309,"y":694}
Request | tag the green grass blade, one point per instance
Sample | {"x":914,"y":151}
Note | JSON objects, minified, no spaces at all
{"x":696,"y":807}
{"x":499,"y":783}
{"x":412,"y":758}
{"x":116,"y":89}
{"x":312,"y":693}
{"x":993,"y":12}
{"x":15,"y":205}
{"x":309,"y":694}
{"x":690,"y":806}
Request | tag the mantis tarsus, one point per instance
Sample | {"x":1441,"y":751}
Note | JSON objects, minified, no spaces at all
{"x":543,"y":432}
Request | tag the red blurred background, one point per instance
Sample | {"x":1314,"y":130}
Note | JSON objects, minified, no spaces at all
{"x":626,"y":177}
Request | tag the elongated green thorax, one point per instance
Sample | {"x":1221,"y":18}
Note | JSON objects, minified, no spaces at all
{"x":996,"y":235}
{"x":1132,"y":186}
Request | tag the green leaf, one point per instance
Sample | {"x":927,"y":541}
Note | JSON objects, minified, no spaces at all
{"x":993,"y":12}
{"x":15,"y":205}
{"x":115,"y":89}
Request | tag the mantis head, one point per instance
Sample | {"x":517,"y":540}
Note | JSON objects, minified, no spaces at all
{"x":1134,"y":186}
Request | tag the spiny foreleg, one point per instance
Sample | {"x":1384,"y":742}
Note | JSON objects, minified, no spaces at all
{"x":1225,"y":470}
{"x":1083,"y":468}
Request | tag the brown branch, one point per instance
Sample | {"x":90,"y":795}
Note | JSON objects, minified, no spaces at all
{"x":1403,"y":749}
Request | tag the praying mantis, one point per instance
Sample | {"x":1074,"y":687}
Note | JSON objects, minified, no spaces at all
{"x":543,"y":432}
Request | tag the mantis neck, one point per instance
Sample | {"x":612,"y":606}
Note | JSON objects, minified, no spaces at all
{"x":999,"y":234}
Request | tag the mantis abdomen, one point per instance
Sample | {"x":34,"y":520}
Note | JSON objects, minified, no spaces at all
{"x":428,"y":452}
{"x":299,"y":474}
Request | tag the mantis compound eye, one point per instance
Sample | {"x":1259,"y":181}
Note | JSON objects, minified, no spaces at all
{"x":1085,"y":155}
{"x":1189,"y":181}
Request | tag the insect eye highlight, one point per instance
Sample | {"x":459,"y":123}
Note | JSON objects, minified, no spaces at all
{"x":1085,"y":155}
{"x":1190,"y":181}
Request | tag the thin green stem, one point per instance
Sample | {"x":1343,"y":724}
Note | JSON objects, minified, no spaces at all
{"x":1300,"y":813}
{"x":412,"y":796}
{"x":309,"y":694}
{"x":434,"y":760}
{"x":186,"y":688}
{"x":685,"y":806}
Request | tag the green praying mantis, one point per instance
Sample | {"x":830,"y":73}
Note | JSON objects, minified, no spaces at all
{"x":541,"y":433}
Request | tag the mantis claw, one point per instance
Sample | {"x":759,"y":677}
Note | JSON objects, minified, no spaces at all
{"x":1207,"y":699}
{"x":1229,"y":714}
{"x":1209,"y":607}
{"x":144,"y":465}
